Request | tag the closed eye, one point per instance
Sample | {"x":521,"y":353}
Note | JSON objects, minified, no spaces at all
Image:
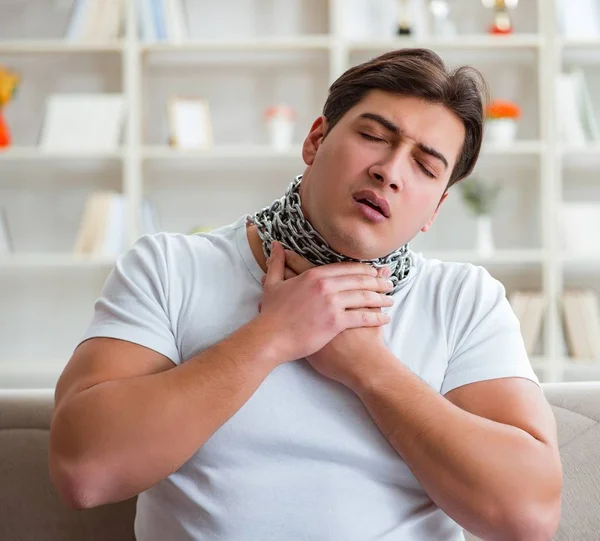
{"x":371,"y":137}
{"x":424,"y":169}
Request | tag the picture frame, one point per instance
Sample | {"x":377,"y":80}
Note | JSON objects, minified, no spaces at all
{"x":190,"y":125}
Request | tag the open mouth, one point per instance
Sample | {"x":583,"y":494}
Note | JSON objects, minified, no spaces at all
{"x":371,"y":204}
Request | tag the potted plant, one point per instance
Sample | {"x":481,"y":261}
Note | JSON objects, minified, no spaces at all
{"x":501,"y":121}
{"x":479,"y":196}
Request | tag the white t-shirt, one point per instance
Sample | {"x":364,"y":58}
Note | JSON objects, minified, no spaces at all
{"x":302,"y":459}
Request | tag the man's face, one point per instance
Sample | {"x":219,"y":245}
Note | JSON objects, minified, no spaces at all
{"x":397,"y":148}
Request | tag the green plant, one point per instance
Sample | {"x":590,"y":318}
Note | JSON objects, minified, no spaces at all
{"x":479,"y":195}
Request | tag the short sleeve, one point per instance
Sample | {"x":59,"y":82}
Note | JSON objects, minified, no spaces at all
{"x":485,"y":335}
{"x":133,"y":305}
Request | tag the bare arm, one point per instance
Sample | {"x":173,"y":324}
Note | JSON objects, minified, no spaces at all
{"x":486,"y":453}
{"x":140,"y":417}
{"x":126,"y":418}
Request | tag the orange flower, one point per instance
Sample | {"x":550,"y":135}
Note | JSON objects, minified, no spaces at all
{"x":503,"y":109}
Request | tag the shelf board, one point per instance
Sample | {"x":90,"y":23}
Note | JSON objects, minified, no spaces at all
{"x":500,"y":257}
{"x":225,"y":153}
{"x":274,"y":44}
{"x":34,"y":153}
{"x":58,"y":46}
{"x":581,"y":261}
{"x":474,"y":41}
{"x":54,"y":261}
{"x":572,"y":43}
{"x":592,"y":365}
{"x":520,"y":148}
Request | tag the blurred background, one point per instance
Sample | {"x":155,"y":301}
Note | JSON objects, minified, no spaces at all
{"x":123,"y":117}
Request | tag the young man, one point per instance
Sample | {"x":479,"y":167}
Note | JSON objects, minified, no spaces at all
{"x":346,"y":406}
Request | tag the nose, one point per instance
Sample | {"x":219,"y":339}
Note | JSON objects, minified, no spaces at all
{"x":389,"y":169}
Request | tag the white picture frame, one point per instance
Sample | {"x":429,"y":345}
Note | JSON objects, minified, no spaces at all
{"x":189,"y":123}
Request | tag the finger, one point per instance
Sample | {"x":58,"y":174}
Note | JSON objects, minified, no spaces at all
{"x":263,"y":279}
{"x":355,"y":282}
{"x":289,"y":273}
{"x":365,"y":318}
{"x":276,"y":266}
{"x":296,"y":262}
{"x":364,"y":299}
{"x":384,"y":272}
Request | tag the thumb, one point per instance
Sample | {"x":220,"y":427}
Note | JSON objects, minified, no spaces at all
{"x":276,"y":268}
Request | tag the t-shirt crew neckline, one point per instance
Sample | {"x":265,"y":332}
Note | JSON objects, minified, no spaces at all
{"x":246,"y":252}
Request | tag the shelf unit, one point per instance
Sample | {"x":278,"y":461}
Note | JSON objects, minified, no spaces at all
{"x":535,"y":163}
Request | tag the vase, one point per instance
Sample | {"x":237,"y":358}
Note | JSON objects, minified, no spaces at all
{"x":485,"y":236}
{"x":4,"y":132}
{"x":501,"y":131}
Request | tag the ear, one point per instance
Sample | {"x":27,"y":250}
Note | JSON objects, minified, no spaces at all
{"x":313,"y":140}
{"x":432,"y":218}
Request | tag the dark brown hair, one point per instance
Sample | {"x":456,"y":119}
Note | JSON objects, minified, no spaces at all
{"x":420,"y":73}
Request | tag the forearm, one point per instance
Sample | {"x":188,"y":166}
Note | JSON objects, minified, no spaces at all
{"x":478,"y":471}
{"x":142,"y":429}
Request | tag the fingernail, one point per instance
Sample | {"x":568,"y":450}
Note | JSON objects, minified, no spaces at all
{"x":389,"y":283}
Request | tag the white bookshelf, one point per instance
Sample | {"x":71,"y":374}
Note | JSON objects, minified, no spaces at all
{"x":244,"y":62}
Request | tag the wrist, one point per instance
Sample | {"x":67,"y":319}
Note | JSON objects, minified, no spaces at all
{"x":379,"y":368}
{"x":274,"y":348}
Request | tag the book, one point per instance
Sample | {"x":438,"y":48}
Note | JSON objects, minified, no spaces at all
{"x":585,"y":105}
{"x":6,"y":243}
{"x":78,"y":16}
{"x":103,"y":226}
{"x":95,"y":21}
{"x":582,"y":324}
{"x":570,"y":123}
{"x":530,"y":308}
{"x":82,"y":122}
{"x":147,"y":28}
{"x":591,"y":317}
{"x":175,"y":21}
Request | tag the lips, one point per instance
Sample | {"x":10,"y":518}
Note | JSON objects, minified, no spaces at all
{"x":370,"y":198}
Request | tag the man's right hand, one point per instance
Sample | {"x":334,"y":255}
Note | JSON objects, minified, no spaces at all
{"x":306,"y":312}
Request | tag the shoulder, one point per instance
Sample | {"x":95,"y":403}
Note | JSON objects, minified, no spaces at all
{"x":179,"y":253}
{"x":458,"y":281}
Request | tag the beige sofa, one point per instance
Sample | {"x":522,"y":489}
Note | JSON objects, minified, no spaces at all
{"x":30,"y":509}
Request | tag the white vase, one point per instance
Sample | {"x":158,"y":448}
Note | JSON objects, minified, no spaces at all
{"x":485,"y":236}
{"x":280,"y":130}
{"x":501,"y":131}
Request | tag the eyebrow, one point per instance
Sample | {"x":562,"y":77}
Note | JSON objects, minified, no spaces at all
{"x":391,"y":127}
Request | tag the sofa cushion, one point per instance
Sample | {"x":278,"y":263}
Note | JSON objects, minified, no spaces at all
{"x":30,"y":507}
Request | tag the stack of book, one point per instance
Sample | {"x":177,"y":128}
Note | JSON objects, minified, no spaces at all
{"x":581,"y":314}
{"x":95,"y":21}
{"x":103,"y":229}
{"x":530,"y":308}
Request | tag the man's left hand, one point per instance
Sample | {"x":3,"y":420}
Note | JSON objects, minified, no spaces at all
{"x":350,"y":355}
